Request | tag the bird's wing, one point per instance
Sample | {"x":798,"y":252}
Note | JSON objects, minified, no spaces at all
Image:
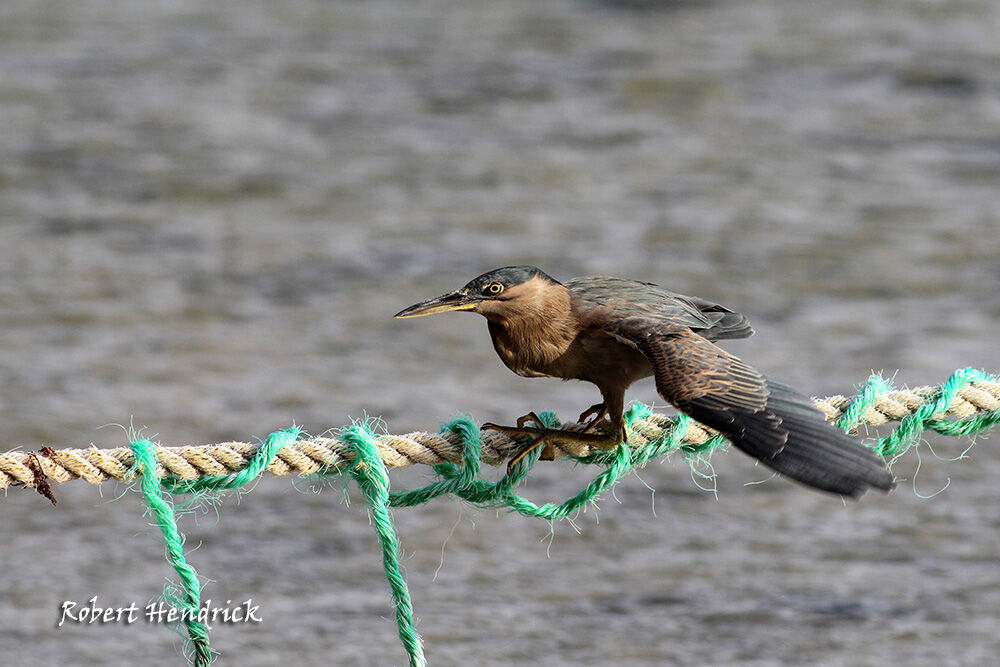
{"x":705,"y":381}
{"x":632,"y":298}
{"x":761,"y":416}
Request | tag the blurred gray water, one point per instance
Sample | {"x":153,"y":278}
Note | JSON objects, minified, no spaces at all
{"x":209,"y":213}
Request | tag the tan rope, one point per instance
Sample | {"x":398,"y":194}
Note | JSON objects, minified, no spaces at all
{"x":327,"y":454}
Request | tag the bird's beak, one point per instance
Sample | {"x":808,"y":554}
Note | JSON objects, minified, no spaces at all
{"x":440,"y":304}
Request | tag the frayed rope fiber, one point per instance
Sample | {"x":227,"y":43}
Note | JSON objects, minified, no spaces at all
{"x":968,"y":403}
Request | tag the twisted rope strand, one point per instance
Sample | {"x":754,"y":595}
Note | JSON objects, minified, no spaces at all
{"x":976,"y":397}
{"x":162,"y":509}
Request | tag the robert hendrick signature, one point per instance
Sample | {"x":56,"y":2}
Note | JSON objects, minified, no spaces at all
{"x":158,"y":612}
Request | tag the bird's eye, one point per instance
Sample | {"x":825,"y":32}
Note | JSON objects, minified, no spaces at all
{"x":493,"y":288}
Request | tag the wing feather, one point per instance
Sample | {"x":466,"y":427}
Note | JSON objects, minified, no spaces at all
{"x":761,"y":416}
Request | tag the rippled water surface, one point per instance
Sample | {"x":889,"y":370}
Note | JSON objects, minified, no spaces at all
{"x":209,"y":213}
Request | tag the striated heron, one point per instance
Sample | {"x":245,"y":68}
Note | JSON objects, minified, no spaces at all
{"x":612,"y":332}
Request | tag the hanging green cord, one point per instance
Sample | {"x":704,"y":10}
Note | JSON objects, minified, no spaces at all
{"x":368,"y":470}
{"x":163,"y":511}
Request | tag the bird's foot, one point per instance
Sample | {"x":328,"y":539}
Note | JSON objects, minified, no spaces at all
{"x":538,"y":436}
{"x":541,"y":435}
{"x":537,"y":433}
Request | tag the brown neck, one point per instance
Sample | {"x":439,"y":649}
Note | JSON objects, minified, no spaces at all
{"x":534,"y":325}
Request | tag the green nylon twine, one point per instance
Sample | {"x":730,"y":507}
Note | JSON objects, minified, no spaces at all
{"x":273,"y":444}
{"x":369,"y":472}
{"x":909,"y":430}
{"x":163,"y":510}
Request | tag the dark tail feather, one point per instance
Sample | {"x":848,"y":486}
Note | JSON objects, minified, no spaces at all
{"x":816,"y":453}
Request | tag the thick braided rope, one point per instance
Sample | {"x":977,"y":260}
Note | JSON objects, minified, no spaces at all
{"x":973,"y":394}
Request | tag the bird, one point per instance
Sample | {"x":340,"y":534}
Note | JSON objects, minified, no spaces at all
{"x":612,"y":332}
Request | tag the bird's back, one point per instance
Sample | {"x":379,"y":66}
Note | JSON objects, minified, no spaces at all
{"x":619,"y":297}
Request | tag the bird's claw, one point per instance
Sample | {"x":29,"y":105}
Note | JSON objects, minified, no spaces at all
{"x":531,"y":417}
{"x":596,"y":412}
{"x":522,"y":427}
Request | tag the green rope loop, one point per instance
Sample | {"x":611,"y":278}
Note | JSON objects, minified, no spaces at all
{"x":455,"y":478}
